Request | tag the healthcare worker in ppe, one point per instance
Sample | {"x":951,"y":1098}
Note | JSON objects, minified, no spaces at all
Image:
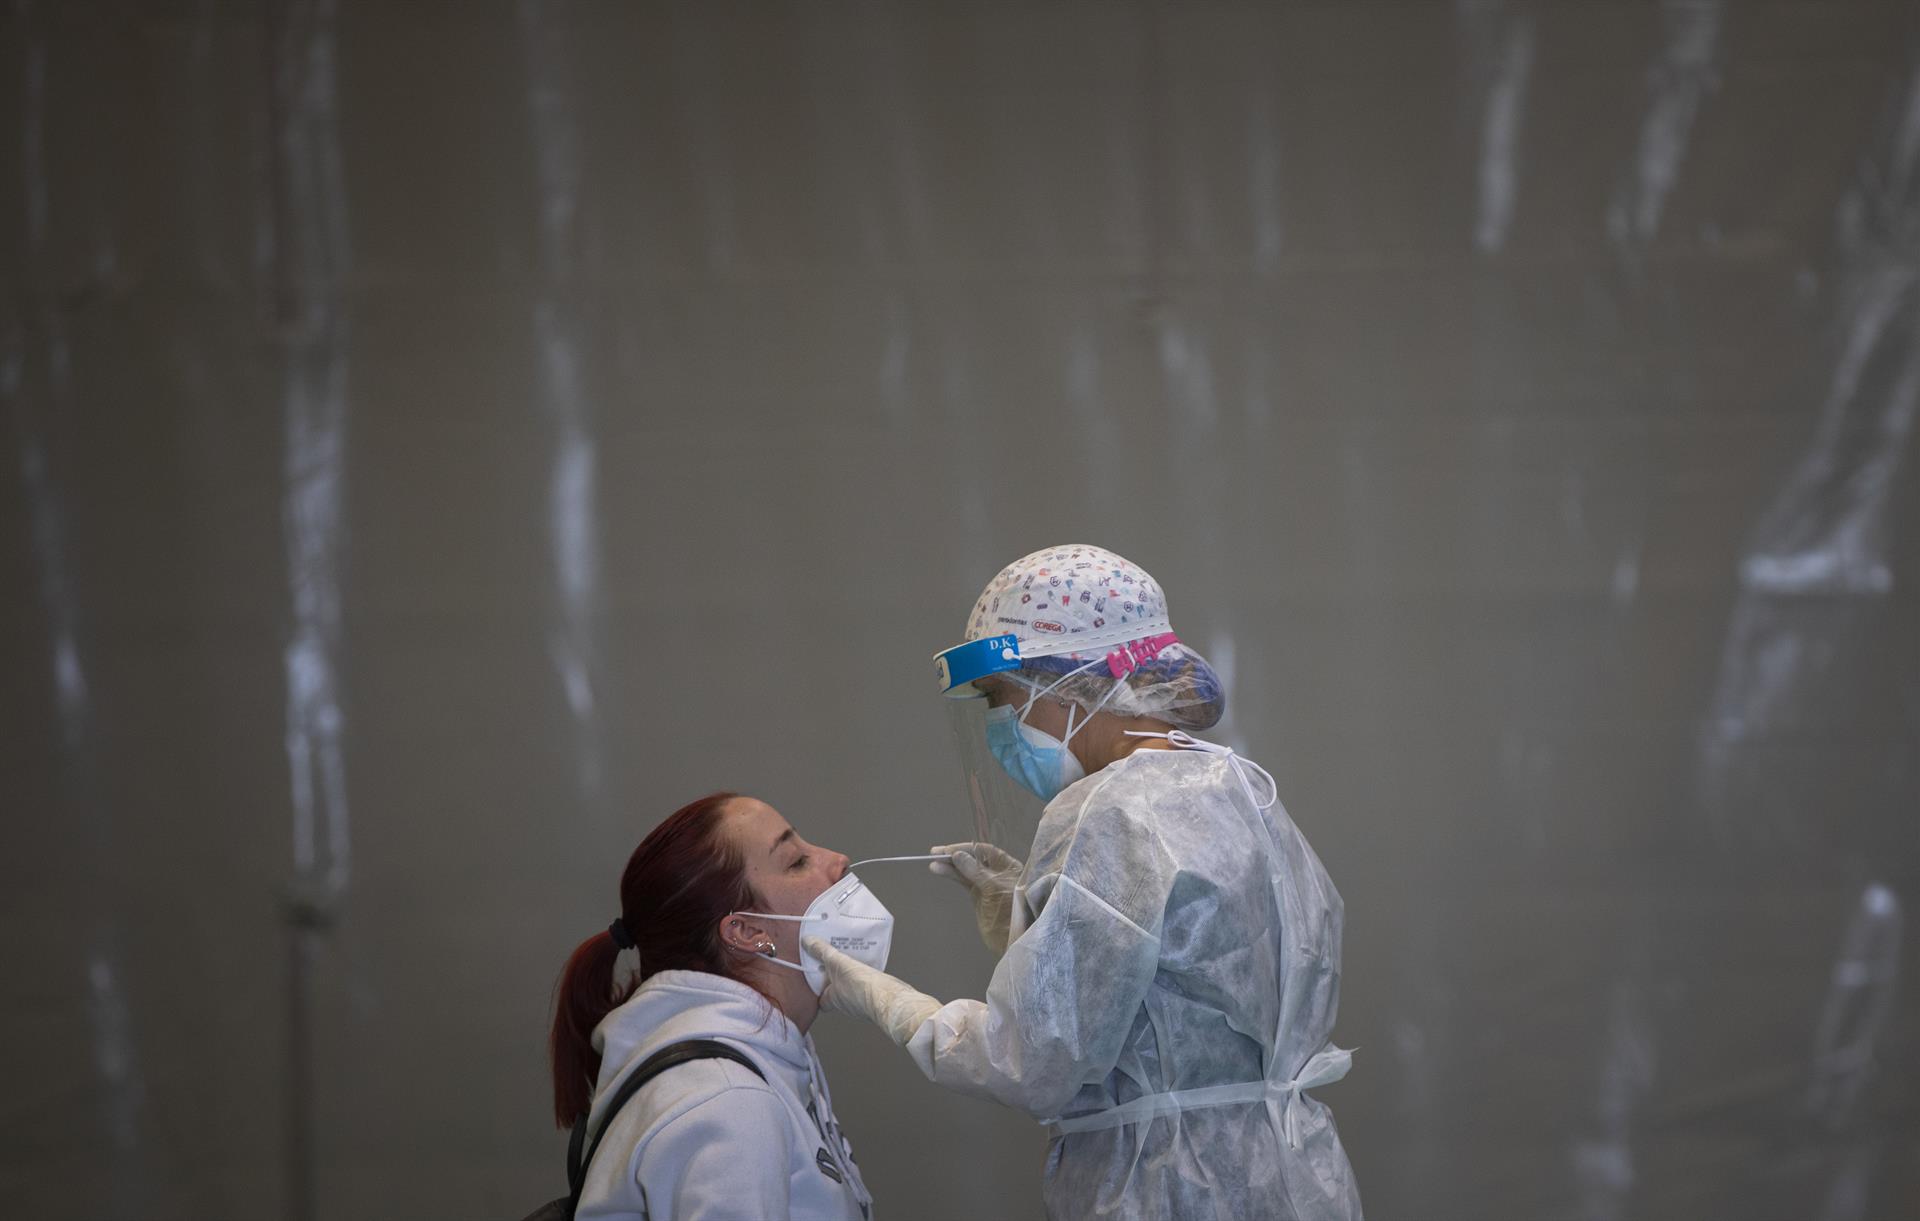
{"x":1170,"y":945}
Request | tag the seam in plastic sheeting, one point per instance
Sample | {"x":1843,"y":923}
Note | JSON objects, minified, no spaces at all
{"x":1501,"y":46}
{"x":110,"y":1026}
{"x":1825,"y":530}
{"x":573,"y":638}
{"x":1866,"y":979}
{"x":1866,"y":976}
{"x":1678,"y":82}
{"x":1603,"y":1163}
{"x":302,"y":242}
{"x":306,"y":236}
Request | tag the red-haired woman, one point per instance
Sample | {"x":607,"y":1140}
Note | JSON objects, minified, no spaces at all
{"x":710,"y":1138}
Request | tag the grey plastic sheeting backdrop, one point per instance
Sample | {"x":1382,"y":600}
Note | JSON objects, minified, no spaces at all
{"x":442,"y":438}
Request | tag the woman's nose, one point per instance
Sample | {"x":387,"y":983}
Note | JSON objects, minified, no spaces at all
{"x":840,"y":864}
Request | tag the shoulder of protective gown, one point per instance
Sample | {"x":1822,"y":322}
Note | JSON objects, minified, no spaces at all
{"x":1115,"y":848}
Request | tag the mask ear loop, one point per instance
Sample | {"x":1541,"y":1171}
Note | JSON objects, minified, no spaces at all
{"x":1043,"y":692}
{"x":1033,"y":694}
{"x":772,"y":957}
{"x":1087,"y":717}
{"x":1111,"y":691}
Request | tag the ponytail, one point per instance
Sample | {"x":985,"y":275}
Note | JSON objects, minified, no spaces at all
{"x":581,"y":1001}
{"x":679,"y":884}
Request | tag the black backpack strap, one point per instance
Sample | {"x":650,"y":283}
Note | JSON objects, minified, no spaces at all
{"x":655,"y":1064}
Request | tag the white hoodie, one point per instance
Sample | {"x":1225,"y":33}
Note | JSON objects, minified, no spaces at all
{"x":708,"y":1140}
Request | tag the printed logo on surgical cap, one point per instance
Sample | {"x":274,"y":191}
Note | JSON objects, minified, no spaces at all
{"x":1048,"y":625}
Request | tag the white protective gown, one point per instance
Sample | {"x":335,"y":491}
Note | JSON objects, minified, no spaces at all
{"x":1180,"y":939}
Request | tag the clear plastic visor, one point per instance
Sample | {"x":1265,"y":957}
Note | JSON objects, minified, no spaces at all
{"x":1000,"y":812}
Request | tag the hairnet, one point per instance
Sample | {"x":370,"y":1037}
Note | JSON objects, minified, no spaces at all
{"x":1177,"y":687}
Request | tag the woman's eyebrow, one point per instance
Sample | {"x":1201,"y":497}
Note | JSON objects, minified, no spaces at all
{"x":784,"y":837}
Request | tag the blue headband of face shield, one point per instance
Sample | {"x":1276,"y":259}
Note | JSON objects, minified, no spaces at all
{"x":957,"y":667}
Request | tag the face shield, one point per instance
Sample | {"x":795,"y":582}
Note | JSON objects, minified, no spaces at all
{"x":1002,"y":813}
{"x":1151,"y":675}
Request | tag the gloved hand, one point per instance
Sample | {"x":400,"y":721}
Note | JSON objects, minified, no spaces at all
{"x":991,"y":875}
{"x":856,"y":988}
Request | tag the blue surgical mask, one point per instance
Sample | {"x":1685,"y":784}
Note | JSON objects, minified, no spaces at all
{"x":1040,"y":762}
